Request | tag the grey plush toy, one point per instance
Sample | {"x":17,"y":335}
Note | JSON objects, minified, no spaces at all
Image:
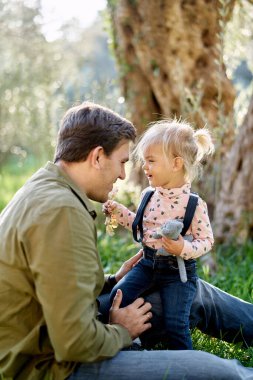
{"x":172,"y":229}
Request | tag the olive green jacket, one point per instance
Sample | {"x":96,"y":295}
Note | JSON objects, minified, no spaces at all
{"x":50,"y":277}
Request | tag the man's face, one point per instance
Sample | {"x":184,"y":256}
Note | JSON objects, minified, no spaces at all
{"x":112,"y":168}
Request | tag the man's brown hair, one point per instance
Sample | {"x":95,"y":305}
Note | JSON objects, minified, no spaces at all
{"x":88,"y":125}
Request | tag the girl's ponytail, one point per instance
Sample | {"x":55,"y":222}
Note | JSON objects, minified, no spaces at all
{"x":204,"y":142}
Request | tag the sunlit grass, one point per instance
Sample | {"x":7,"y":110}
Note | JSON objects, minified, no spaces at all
{"x":222,"y":349}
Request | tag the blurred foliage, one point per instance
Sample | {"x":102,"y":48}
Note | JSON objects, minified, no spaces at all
{"x":27,"y":81}
{"x":13,"y":175}
{"x":238,"y":56}
{"x":40,"y":79}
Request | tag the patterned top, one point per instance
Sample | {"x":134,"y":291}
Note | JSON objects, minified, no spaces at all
{"x":168,"y":204}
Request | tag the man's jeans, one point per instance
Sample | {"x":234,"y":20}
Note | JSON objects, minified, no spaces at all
{"x":163,"y":365}
{"x":176,"y":297}
{"x":214,"y":312}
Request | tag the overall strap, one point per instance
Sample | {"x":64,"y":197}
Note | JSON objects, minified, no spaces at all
{"x":139,"y":216}
{"x":189,"y":212}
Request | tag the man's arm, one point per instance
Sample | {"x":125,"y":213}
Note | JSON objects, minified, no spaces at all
{"x":68,"y":278}
{"x":111,"y":280}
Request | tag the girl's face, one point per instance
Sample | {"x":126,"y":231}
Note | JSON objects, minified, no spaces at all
{"x":161,"y":171}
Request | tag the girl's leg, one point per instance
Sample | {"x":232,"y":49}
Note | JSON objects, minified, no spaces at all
{"x":134,"y":283}
{"x":177,"y":299}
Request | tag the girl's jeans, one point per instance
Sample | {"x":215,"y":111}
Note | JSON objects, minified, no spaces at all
{"x":176,"y":296}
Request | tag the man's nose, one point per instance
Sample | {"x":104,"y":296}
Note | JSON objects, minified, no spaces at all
{"x":122,"y":173}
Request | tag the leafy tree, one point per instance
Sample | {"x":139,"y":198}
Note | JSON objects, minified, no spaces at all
{"x":27,"y":81}
{"x":39,"y":79}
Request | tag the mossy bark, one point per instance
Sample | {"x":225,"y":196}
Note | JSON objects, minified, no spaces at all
{"x":234,"y":211}
{"x":169,"y":57}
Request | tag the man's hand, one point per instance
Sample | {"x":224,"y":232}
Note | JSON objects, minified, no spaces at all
{"x":128,"y":265}
{"x":133,"y":317}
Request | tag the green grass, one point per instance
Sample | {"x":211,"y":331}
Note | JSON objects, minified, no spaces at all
{"x":234,"y":270}
{"x":13,"y":175}
{"x":222,"y":349}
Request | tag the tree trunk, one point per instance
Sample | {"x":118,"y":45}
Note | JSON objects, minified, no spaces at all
{"x":169,"y":53}
{"x":170,"y":59}
{"x":234,"y":211}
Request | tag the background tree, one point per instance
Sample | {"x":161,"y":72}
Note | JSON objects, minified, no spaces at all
{"x":234,"y":210}
{"x":40,"y":77}
{"x":171,"y":58}
{"x":27,"y":81}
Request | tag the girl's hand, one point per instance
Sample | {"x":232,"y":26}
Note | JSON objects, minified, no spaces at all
{"x":174,"y":247}
{"x":109,"y":206}
{"x":110,"y":220}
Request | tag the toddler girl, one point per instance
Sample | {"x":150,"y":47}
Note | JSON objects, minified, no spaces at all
{"x":171,"y":152}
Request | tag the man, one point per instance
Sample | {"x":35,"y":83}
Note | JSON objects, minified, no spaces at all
{"x":51,"y":274}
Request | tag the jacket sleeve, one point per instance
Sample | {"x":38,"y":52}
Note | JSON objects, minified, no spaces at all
{"x":62,"y":255}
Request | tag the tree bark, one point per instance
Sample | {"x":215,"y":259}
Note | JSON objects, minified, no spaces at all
{"x":169,"y":54}
{"x":234,"y":210}
{"x":170,"y":59}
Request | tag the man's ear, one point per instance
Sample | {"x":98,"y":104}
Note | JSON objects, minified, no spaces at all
{"x":96,"y":156}
{"x":178,"y":163}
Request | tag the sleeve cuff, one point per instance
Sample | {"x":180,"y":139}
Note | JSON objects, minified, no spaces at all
{"x":112,"y":280}
{"x":186,"y":251}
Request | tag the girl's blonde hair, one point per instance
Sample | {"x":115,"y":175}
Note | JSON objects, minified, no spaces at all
{"x":179,"y":139}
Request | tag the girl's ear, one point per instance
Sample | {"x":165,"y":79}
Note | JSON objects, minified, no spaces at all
{"x":96,"y":156}
{"x":178,"y":163}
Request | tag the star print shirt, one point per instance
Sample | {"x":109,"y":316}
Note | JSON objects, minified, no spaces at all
{"x":167,"y":204}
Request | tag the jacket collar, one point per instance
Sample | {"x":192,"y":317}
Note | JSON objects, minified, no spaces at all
{"x":56,"y":170}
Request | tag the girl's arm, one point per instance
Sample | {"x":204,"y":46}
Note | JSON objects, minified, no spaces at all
{"x":202,"y":233}
{"x":122,"y":214}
